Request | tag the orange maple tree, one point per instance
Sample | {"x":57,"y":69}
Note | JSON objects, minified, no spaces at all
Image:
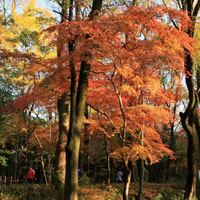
{"x":126,"y":51}
{"x":126,"y":87}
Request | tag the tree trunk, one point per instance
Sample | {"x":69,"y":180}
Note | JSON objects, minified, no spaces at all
{"x":60,"y":167}
{"x":73,"y":140}
{"x":86,"y":141}
{"x":16,"y":163}
{"x":172,"y":144}
{"x":108,"y":160}
{"x":63,"y":113}
{"x":190,"y":191}
{"x":188,"y":120}
{"x":189,"y":117}
{"x":141,"y":177}
{"x":41,"y":158}
{"x":127,"y":179}
{"x":78,"y":102}
{"x":72,"y":165}
{"x":43,"y":168}
{"x":49,"y":169}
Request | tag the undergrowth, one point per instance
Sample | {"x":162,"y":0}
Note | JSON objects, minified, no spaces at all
{"x":90,"y":191}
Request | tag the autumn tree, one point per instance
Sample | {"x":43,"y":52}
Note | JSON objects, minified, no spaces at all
{"x":62,"y":106}
{"x":172,"y":80}
{"x":77,"y":104}
{"x":131,"y":83}
{"x":21,"y":35}
{"x":190,"y":118}
{"x":124,"y":52}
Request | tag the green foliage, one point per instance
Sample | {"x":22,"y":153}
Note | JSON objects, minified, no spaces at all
{"x":4,"y":153}
{"x":169,"y":194}
{"x":84,"y":180}
{"x":28,"y":38}
{"x":3,"y":161}
{"x":56,"y":177}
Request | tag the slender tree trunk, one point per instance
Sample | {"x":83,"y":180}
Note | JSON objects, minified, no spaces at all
{"x":127,"y":179}
{"x":63,"y":109}
{"x":43,"y":168}
{"x":172,"y":147}
{"x":172,"y":144}
{"x":108,"y":160}
{"x":16,"y":162}
{"x":141,"y":177}
{"x":63,"y":112}
{"x":86,"y":142}
{"x":49,"y":169}
{"x":42,"y":159}
{"x":95,"y":171}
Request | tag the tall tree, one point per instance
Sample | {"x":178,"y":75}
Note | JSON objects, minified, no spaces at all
{"x":78,"y":104}
{"x":128,"y":67}
{"x":63,"y":107}
{"x":132,"y":99}
{"x":190,"y":118}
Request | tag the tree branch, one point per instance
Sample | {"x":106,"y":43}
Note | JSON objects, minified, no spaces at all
{"x":61,"y":14}
{"x":102,"y":113}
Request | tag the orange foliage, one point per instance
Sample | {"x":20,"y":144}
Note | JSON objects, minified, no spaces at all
{"x":127,"y":52}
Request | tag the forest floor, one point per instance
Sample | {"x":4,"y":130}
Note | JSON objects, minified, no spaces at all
{"x":152,"y":191}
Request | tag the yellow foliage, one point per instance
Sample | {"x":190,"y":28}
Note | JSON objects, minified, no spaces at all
{"x":26,"y":22}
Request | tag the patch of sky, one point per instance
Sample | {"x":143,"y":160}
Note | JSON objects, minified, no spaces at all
{"x":50,"y":5}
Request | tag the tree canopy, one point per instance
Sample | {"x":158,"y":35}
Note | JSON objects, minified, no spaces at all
{"x":121,"y":60}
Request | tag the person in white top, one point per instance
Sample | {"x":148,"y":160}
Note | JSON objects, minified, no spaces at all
{"x":119,"y":176}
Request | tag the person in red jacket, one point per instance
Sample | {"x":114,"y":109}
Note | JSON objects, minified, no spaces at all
{"x":30,"y":175}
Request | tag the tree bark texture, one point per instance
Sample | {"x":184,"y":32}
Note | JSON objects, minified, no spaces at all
{"x":78,"y":103}
{"x":141,"y":177}
{"x":41,"y":158}
{"x":189,"y":118}
{"x":127,"y":178}
{"x":63,"y":112}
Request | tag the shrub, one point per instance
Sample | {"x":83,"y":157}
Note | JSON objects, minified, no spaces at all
{"x":84,"y":180}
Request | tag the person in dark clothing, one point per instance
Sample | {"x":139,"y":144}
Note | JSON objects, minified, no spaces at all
{"x":79,"y":173}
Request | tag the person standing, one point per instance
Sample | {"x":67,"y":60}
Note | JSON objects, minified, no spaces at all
{"x":30,"y":175}
{"x":79,"y":173}
{"x":119,"y":176}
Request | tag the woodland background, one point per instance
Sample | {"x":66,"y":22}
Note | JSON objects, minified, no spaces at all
{"x":100,"y":86}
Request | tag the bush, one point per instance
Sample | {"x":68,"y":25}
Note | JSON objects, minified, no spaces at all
{"x":84,"y":180}
{"x":170,"y":194}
